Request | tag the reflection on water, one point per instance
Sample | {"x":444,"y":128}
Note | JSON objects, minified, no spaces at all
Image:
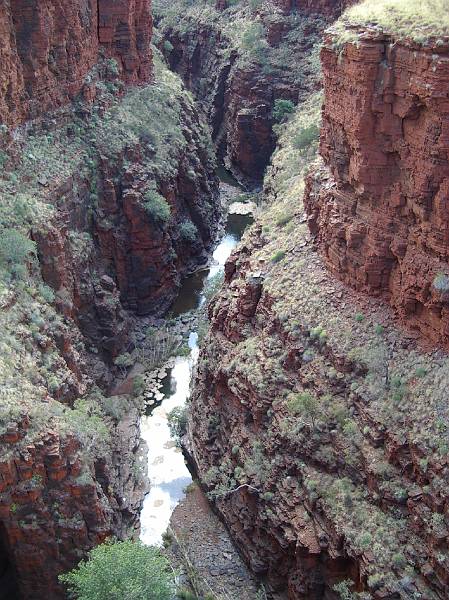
{"x":167,"y":470}
{"x":190,"y":293}
{"x":227,"y":177}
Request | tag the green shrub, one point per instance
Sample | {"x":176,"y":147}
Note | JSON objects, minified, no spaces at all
{"x":177,"y":422}
{"x":278,"y":256}
{"x":15,"y":250}
{"x":118,"y":570}
{"x":306,"y":405}
{"x":138,"y":386}
{"x":168,"y":46}
{"x":188,"y":231}
{"x":306,"y":136}
{"x":157,"y":206}
{"x":418,"y":19}
{"x":281,"y":109}
{"x":284,"y":219}
{"x":253,"y":42}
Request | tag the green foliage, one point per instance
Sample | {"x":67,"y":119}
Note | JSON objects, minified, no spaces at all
{"x":278,"y":256}
{"x":86,"y":421}
{"x":118,"y":570}
{"x":157,"y":206}
{"x":212,"y":286}
{"x":168,"y":46}
{"x":283,"y":219}
{"x":343,"y":589}
{"x":305,"y":404}
{"x":281,"y":110}
{"x":253,"y":42}
{"x":420,"y":372}
{"x":138,"y":385}
{"x":306,"y":137}
{"x":185,"y":594}
{"x":15,"y":250}
{"x":188,"y":231}
{"x":177,"y":422}
{"x":124,"y":360}
{"x":416,"y":19}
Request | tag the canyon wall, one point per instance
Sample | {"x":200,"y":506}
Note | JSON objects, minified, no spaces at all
{"x":113,"y":198}
{"x":56,"y":502}
{"x":378,"y":205}
{"x":318,"y":424}
{"x":50,"y":48}
{"x":236,"y":82}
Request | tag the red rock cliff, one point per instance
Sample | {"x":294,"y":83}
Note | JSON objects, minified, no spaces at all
{"x":49,"y":47}
{"x":378,"y":206}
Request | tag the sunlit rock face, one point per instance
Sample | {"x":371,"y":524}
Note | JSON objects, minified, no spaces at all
{"x":378,"y":206}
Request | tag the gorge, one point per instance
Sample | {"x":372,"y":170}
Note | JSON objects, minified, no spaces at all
{"x":317,"y":418}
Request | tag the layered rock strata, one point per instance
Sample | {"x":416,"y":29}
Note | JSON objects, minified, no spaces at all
{"x":318,"y":427}
{"x":378,"y":205}
{"x":49,"y":49}
{"x":55,"y":503}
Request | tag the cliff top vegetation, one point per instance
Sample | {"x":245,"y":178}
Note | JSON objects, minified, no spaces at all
{"x":419,"y":20}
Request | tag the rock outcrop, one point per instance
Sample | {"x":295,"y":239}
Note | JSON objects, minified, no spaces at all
{"x":49,"y":49}
{"x":378,"y":206}
{"x":56,"y":503}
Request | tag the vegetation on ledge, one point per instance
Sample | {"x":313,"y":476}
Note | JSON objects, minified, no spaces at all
{"x":419,"y":20}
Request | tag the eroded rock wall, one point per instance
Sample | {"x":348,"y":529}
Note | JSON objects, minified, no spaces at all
{"x":378,"y":206}
{"x":237,"y":90}
{"x":50,"y":47}
{"x":56,"y":503}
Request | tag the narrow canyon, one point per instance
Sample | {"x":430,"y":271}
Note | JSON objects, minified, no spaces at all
{"x":224,"y":299}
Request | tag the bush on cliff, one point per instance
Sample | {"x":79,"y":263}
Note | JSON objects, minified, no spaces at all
{"x":188,"y":231}
{"x":281,"y":110}
{"x":15,"y":250}
{"x":118,"y":570}
{"x":157,"y":206}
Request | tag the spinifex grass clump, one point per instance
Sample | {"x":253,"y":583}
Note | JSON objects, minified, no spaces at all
{"x":419,"y":20}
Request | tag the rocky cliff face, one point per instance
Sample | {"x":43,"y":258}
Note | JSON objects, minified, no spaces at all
{"x":106,"y":203}
{"x":238,"y":71}
{"x":378,"y":205}
{"x":50,"y":48}
{"x":317,"y":425}
{"x":55,"y":503}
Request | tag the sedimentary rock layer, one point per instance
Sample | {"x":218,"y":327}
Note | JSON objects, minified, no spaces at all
{"x":55,"y":503}
{"x":378,"y":206}
{"x":49,"y":48}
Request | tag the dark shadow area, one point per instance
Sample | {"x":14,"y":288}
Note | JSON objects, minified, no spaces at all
{"x":8,"y":580}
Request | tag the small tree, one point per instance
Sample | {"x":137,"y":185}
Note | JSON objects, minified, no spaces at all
{"x":157,"y":206}
{"x":281,"y":109}
{"x":188,"y":231}
{"x":118,"y":570}
{"x":306,"y":405}
{"x":15,"y":250}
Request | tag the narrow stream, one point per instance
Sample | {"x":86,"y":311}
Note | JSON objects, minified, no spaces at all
{"x":167,"y":471}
